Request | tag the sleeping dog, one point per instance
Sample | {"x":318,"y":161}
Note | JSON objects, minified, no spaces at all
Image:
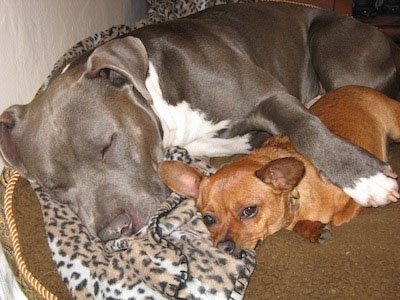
{"x":276,"y":187}
{"x":216,"y":83}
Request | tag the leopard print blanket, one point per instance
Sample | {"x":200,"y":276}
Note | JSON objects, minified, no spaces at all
{"x":172,"y":257}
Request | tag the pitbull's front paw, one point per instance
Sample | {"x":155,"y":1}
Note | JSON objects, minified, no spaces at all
{"x":376,"y":190}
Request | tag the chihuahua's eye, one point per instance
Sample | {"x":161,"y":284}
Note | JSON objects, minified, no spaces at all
{"x":208,"y":220}
{"x":248,"y":212}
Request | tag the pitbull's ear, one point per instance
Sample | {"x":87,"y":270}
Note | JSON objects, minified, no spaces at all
{"x":284,"y":174}
{"x":121,"y":61}
{"x":8,"y":148}
{"x":180,"y":178}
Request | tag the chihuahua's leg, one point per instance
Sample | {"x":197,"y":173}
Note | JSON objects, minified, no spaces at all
{"x":315,"y":231}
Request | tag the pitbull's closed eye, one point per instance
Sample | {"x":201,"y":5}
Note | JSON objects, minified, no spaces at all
{"x":209,"y":220}
{"x":108,"y":149}
{"x":248,"y":212}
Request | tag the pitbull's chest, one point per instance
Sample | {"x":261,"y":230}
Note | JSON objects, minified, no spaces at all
{"x":189,"y":128}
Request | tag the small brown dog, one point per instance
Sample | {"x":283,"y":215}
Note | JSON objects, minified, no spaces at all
{"x":276,"y":187}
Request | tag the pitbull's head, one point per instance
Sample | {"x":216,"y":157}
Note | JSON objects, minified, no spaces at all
{"x":92,"y":141}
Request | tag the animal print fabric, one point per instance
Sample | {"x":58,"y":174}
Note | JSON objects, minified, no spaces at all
{"x":171,"y":258}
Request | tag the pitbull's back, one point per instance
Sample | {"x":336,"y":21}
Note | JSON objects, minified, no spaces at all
{"x":280,"y":39}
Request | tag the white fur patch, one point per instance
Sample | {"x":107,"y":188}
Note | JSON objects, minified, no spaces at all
{"x":65,"y":68}
{"x":188,"y":128}
{"x":377,"y":187}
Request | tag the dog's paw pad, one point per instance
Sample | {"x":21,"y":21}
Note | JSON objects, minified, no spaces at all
{"x":376,"y":190}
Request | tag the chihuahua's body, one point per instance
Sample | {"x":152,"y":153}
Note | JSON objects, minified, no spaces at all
{"x":276,"y":187}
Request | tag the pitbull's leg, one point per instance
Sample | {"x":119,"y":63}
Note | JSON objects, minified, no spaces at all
{"x":370,"y":59}
{"x":362,"y":176}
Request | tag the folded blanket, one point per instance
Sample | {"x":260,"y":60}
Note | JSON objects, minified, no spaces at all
{"x":172,"y":257}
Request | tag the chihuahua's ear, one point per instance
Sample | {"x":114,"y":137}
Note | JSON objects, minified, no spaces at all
{"x":180,"y":178}
{"x":284,"y":174}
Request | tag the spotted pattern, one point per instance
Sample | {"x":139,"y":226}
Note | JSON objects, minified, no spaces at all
{"x":172,"y":257}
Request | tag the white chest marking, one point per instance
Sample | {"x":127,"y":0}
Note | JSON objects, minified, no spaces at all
{"x":188,"y":128}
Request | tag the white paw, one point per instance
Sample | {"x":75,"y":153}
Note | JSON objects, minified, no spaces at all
{"x":376,"y":190}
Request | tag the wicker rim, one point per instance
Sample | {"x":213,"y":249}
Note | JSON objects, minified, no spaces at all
{"x":16,"y":246}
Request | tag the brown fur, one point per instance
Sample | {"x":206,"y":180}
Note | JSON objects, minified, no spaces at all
{"x":276,"y":187}
{"x":361,"y":115}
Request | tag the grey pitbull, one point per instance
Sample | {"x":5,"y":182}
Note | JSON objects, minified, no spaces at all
{"x":217,"y":83}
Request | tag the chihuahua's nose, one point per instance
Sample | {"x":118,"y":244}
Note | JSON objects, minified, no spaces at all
{"x":227,"y":246}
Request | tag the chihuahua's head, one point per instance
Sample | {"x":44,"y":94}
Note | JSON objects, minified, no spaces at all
{"x":243,"y":202}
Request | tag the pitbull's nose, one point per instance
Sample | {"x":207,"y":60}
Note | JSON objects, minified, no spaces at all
{"x":227,"y":246}
{"x":121,"y":225}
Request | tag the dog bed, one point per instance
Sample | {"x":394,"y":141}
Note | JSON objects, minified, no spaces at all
{"x":53,"y":257}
